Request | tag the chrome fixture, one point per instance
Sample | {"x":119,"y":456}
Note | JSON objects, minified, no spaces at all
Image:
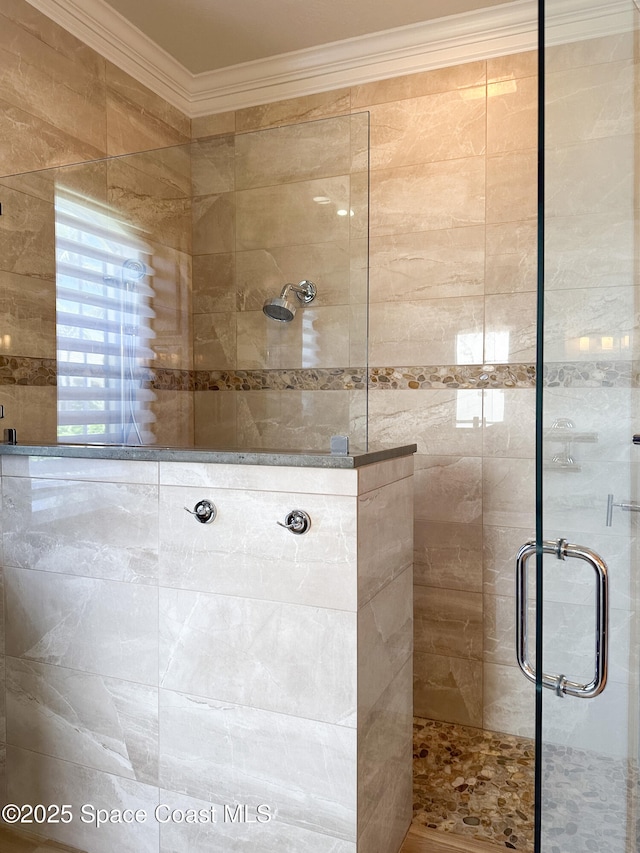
{"x":626,"y":506}
{"x":563,"y":432}
{"x":204,"y":512}
{"x":281,"y":309}
{"x":297,"y":521}
{"x":560,"y":683}
{"x":339,"y":445}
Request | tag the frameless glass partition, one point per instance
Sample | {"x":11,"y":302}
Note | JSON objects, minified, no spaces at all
{"x":588,"y":410}
{"x":138,"y":285}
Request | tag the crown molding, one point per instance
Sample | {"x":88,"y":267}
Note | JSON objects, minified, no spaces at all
{"x":481,"y":34}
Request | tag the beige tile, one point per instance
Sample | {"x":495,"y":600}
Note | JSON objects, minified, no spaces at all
{"x":448,"y":622}
{"x":215,"y":419}
{"x":448,"y":689}
{"x":378,"y":474}
{"x":27,"y":236}
{"x":448,"y":488}
{"x":512,"y":66}
{"x":218,"y":124}
{"x":512,"y":115}
{"x":297,"y":152}
{"x":262,"y":273}
{"x":427,"y":265}
{"x":214,"y":287}
{"x":172,"y":339}
{"x":431,"y":331}
{"x":28,"y":308}
{"x":509,"y":422}
{"x":31,"y":411}
{"x":431,"y":418}
{"x":500,"y":548}
{"x":294,"y":110}
{"x":137,"y":118}
{"x":213,"y":165}
{"x":287,"y":215}
{"x":444,"y":126}
{"x":509,"y":492}
{"x":448,"y":555}
{"x":510,"y":328}
{"x":596,"y":51}
{"x":173,"y":411}
{"x":509,"y":701}
{"x":511,"y":261}
{"x":214,"y":224}
{"x":455,"y":189}
{"x":214,"y":341}
{"x":472,"y":74}
{"x":171,"y":279}
{"x":511,"y":186}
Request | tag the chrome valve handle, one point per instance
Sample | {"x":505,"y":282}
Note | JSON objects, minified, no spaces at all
{"x":204,"y":512}
{"x":297,"y":521}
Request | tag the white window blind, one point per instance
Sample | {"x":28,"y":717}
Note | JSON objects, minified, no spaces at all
{"x":103,"y":305}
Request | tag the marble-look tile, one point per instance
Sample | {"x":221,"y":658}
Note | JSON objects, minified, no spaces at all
{"x":448,"y":622}
{"x":214,"y":341}
{"x":437,"y":421}
{"x":385,"y":768}
{"x":214,"y":419}
{"x":589,"y":251}
{"x":595,"y":51}
{"x":304,"y":770}
{"x":293,"y":110}
{"x":271,"y":836}
{"x":55,"y":619}
{"x":508,"y":492}
{"x":32,"y":411}
{"x":172,"y":276}
{"x":455,"y":189}
{"x":509,"y":422}
{"x":448,"y":689}
{"x":103,"y":723}
{"x":385,"y":555}
{"x":214,"y":288}
{"x":512,"y":112}
{"x":27,"y":238}
{"x":101,"y":530}
{"x":174,"y":418}
{"x":510,"y":67}
{"x":263,"y":652}
{"x":317,"y":337}
{"x":2,"y":613}
{"x":590,"y":102}
{"x":431,"y":331}
{"x":509,"y":701}
{"x":427,"y":265}
{"x":213,"y":166}
{"x":511,"y":186}
{"x":262,"y":273}
{"x":137,"y":118}
{"x":378,"y":474}
{"x":471,"y":74}
{"x":28,"y":308}
{"x":74,"y":468}
{"x":500,"y":548}
{"x":448,"y":488}
{"x":499,"y":628}
{"x":602,"y":326}
{"x":385,"y":640}
{"x":34,"y":778}
{"x":448,"y":555}
{"x":3,"y":700}
{"x":443,"y":126}
{"x":263,"y":478}
{"x":260,"y":560}
{"x":286,"y":215}
{"x":295,"y":152}
{"x":295,"y":420}
{"x":511,"y":257}
{"x":219,"y":124}
{"x":214,"y":224}
{"x":171,"y":338}
{"x":590,"y":177}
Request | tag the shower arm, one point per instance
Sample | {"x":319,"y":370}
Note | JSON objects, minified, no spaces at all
{"x":305,"y":291}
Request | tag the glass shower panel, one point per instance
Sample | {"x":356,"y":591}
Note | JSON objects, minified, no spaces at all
{"x":589,"y":466}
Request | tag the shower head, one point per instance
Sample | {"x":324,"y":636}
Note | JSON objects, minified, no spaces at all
{"x":134,"y":269}
{"x":281,"y":309}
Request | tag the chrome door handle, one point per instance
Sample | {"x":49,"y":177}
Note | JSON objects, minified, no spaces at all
{"x":562,"y":685}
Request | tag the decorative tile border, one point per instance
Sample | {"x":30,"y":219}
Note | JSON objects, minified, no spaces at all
{"x":19,"y":370}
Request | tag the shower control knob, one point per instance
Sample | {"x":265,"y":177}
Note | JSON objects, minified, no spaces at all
{"x":203,"y":511}
{"x":297,"y":521}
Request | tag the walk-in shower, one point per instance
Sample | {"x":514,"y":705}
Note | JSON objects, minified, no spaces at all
{"x":281,"y":309}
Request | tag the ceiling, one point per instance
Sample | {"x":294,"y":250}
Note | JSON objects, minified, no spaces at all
{"x":205,"y":35}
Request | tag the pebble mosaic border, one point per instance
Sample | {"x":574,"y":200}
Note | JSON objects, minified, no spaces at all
{"x":20,"y":370}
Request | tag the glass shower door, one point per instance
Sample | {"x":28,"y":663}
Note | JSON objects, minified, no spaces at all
{"x":588,"y":497}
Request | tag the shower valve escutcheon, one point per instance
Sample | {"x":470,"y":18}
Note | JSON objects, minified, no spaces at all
{"x":297,"y":521}
{"x":204,"y":512}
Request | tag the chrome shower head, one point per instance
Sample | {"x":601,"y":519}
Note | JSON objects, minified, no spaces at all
{"x":281,"y":309}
